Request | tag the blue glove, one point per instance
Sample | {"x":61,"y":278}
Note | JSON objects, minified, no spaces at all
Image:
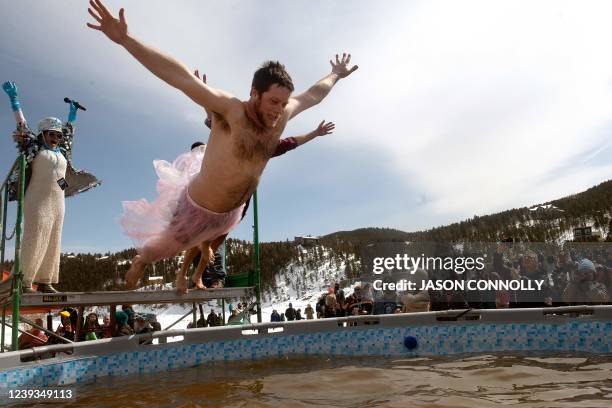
{"x":72,"y":114}
{"x":11,"y":90}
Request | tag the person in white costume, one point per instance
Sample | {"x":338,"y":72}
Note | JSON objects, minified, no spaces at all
{"x":44,"y":211}
{"x":49,"y":178}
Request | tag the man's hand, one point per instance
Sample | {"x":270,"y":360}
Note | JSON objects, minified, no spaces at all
{"x":208,"y":119}
{"x":197,"y":74}
{"x":341,"y":68}
{"x":324,"y":129}
{"x":163,"y":66}
{"x":316,"y":93}
{"x":115,"y":29}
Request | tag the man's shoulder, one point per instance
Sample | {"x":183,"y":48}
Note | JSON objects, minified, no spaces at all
{"x":235,"y":110}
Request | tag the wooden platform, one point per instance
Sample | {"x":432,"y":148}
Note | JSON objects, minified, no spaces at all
{"x":131,"y":297}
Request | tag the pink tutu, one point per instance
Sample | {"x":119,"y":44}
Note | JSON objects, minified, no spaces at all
{"x":174,"y":222}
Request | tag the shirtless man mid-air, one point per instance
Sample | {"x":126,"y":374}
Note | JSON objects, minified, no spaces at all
{"x":244,"y":136}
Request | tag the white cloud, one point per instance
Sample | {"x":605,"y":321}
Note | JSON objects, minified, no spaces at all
{"x":475,"y":105}
{"x":476,"y":102}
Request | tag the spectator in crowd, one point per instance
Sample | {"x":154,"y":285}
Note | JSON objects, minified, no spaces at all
{"x":91,"y":329}
{"x":357,"y":304}
{"x":520,"y":262}
{"x":201,"y":322}
{"x":564,"y":267}
{"x":123,"y":328}
{"x":290,"y":313}
{"x":66,"y":328}
{"x":530,"y":271}
{"x":502,"y":299}
{"x":309,"y":312}
{"x":275,"y":317}
{"x":583,"y":289}
{"x":212,"y":319}
{"x":320,"y":306}
{"x":282,"y":317}
{"x":604,"y":277}
{"x":234,"y":317}
{"x":438,"y":300}
{"x":367,"y":291}
{"x":298,"y":314}
{"x":130,"y":313}
{"x":488,"y":298}
{"x":340,"y":300}
{"x":331,"y":304}
{"x":107,"y":330}
{"x":385,"y":301}
{"x":513,"y":294}
{"x":141,"y":325}
{"x":455,"y":298}
{"x":33,"y":337}
{"x":155,"y":325}
{"x":505,"y":272}
{"x":417,"y":300}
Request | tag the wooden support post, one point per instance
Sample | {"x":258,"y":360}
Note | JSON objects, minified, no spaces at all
{"x":80,"y":320}
{"x":113,"y":320}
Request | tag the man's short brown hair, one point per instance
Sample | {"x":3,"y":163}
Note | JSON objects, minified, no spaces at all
{"x":270,"y":73}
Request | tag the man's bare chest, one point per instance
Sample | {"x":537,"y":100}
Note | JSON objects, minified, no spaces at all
{"x":248,"y":143}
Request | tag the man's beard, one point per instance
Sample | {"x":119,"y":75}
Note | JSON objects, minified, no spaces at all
{"x":260,"y":116}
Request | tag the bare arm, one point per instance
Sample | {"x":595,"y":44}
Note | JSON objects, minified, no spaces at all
{"x":290,"y":143}
{"x":319,"y":91}
{"x":161,"y":65}
{"x":322,"y":130}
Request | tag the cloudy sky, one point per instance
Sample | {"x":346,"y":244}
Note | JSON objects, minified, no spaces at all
{"x":457,"y":109}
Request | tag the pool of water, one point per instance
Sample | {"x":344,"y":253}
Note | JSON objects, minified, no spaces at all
{"x":559,"y":380}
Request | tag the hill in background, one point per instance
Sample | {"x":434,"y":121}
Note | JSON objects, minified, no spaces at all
{"x":551,"y":222}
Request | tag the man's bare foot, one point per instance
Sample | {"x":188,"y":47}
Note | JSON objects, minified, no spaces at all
{"x":135,"y":273}
{"x":181,"y":284}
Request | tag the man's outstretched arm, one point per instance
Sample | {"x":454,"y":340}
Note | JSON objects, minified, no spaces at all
{"x":290,"y":143}
{"x":318,"y":91}
{"x":321,"y":130}
{"x":161,"y":65}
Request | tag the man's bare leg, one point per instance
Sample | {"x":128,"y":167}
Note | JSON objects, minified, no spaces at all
{"x":135,"y":272}
{"x":181,"y":283}
{"x":206,"y":257}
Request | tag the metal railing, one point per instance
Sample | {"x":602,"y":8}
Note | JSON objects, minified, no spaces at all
{"x":12,"y":293}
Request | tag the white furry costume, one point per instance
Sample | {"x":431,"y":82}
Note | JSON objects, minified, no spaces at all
{"x":44,"y":218}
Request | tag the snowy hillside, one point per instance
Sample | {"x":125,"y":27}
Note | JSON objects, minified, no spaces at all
{"x":300,"y":283}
